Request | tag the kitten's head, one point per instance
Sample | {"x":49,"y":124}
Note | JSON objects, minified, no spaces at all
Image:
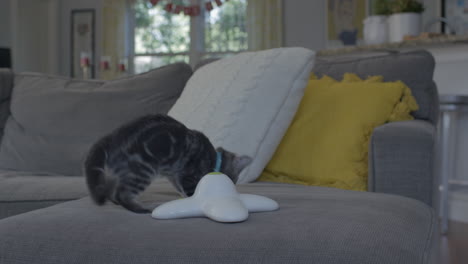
{"x":233,"y":164}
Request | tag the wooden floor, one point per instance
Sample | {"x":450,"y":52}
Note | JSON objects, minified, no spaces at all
{"x":454,"y":246}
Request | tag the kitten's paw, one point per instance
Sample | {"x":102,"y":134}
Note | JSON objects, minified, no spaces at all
{"x":142,"y":211}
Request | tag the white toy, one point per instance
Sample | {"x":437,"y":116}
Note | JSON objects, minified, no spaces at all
{"x":215,"y":197}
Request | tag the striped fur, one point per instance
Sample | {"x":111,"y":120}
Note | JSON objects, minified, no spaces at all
{"x":123,"y":164}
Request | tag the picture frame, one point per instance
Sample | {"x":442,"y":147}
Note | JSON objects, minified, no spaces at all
{"x":82,"y":43}
{"x":456,"y":14}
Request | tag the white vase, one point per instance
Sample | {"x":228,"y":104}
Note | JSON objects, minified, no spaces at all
{"x":375,"y":30}
{"x":403,"y":24}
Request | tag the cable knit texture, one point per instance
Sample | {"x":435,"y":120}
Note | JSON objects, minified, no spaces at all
{"x":245,"y":103}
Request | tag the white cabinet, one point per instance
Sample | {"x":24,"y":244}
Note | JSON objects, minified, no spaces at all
{"x":34,"y":40}
{"x":451,"y":76}
{"x":451,"y":73}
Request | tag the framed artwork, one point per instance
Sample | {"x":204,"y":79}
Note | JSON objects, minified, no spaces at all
{"x":456,"y":13}
{"x":82,"y":43}
{"x":345,"y":22}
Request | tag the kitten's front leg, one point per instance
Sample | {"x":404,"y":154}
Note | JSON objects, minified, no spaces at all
{"x":127,"y":200}
{"x":175,"y":181}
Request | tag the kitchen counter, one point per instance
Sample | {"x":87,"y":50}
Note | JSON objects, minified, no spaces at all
{"x":437,"y":42}
{"x":450,"y":53}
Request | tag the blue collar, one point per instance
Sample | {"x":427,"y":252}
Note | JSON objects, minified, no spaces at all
{"x":219,"y":160}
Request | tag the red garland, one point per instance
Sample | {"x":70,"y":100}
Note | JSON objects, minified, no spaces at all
{"x":193,"y":10}
{"x":168,"y":7}
{"x":178,"y":8}
{"x":188,"y":10}
{"x":208,"y":6}
{"x":196,"y":10}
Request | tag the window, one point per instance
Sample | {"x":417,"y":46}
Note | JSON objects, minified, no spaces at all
{"x":162,"y":37}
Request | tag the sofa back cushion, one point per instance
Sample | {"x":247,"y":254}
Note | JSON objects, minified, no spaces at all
{"x":414,"y":68}
{"x":55,"y":120}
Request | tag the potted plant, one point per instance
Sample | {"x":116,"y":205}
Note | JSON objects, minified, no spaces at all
{"x":375,"y":26}
{"x":405,"y":19}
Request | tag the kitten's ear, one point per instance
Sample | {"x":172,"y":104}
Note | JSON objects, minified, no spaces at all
{"x":242,"y":161}
{"x":220,"y":149}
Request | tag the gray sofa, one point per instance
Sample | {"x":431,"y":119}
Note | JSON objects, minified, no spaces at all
{"x":394,"y":223}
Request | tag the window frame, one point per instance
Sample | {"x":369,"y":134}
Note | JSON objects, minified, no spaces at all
{"x":196,"y":50}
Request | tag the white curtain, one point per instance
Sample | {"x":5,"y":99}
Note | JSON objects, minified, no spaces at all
{"x":113,"y":41}
{"x":265,"y":24}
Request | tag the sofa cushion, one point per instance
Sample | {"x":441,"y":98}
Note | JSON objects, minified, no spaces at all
{"x":25,"y":191}
{"x":54,"y":120}
{"x":246,"y":102}
{"x":414,"y":68}
{"x":26,"y":186}
{"x":8,"y":209}
{"x":313,"y":225}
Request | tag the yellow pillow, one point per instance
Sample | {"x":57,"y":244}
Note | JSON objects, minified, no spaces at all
{"x":327,"y":142}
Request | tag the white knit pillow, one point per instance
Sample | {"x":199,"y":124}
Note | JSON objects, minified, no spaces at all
{"x":245,"y":103}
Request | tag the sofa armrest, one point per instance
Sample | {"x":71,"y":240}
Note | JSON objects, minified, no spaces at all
{"x":401,"y":156}
{"x":6,"y":83}
{"x":6,"y":86}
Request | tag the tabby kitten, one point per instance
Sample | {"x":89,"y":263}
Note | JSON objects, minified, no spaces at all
{"x":124,"y":163}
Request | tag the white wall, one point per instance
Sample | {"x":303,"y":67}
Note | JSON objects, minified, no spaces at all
{"x":66,"y":7}
{"x":39,"y":32}
{"x":33,"y":35}
{"x":432,"y":10}
{"x":305,"y":23}
{"x":5,"y":32}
